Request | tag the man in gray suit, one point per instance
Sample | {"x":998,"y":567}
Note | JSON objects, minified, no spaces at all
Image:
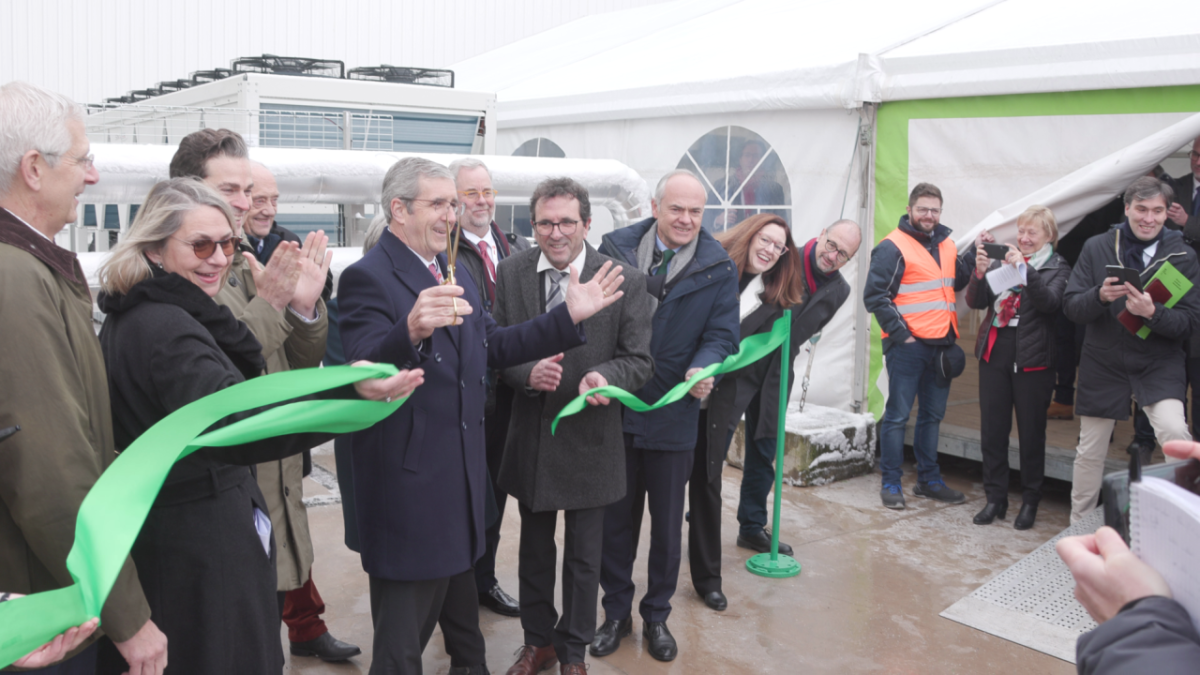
{"x":581,"y":469}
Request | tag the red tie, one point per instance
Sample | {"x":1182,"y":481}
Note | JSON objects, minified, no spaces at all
{"x":487,"y":260}
{"x":437,"y":274}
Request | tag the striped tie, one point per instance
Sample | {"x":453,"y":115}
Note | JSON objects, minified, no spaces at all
{"x":437,"y":274}
{"x":555,"y":297}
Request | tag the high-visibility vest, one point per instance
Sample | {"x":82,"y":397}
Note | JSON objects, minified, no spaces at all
{"x":926,"y":297}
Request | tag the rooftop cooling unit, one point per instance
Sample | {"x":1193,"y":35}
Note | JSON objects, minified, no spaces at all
{"x":143,"y":94}
{"x":429,"y":77}
{"x":121,"y":100}
{"x":175,"y":85}
{"x":289,"y":65}
{"x":202,"y":76}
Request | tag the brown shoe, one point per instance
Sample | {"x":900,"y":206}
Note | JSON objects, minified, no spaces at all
{"x":1060,"y":411}
{"x":532,"y":660}
{"x":573,"y":669}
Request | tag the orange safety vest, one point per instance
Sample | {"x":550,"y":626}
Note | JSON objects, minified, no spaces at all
{"x":926,"y":297}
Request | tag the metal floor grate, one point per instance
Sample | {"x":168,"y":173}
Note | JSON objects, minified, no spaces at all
{"x":1033,"y":602}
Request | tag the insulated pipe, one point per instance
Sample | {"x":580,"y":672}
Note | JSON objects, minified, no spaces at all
{"x":311,"y":176}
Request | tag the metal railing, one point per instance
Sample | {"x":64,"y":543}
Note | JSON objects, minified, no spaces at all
{"x":167,"y":125}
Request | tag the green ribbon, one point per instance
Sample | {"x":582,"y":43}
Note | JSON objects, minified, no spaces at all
{"x":752,"y":349}
{"x":114,"y":510}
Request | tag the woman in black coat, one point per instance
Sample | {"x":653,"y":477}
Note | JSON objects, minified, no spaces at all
{"x":769,"y":270}
{"x":205,"y":555}
{"x":1015,"y":348}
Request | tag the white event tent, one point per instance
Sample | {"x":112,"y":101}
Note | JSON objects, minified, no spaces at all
{"x":1001,"y":103}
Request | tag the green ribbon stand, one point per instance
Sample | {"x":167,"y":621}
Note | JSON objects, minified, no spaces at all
{"x":752,"y":349}
{"x":114,"y":510}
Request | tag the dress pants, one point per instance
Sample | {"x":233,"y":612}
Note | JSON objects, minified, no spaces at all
{"x":758,"y":476}
{"x":666,"y":475}
{"x":583,"y":534}
{"x":1068,"y":338}
{"x":301,"y":609}
{"x":404,"y":614}
{"x":460,"y":623}
{"x":1094,"y":432}
{"x":495,"y":430}
{"x":1000,"y":391}
{"x":704,"y":523}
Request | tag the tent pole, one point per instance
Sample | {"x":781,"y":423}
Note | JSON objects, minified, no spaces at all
{"x":866,"y":216}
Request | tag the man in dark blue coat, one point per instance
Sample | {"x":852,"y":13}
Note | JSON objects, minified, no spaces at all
{"x":695,"y":325}
{"x":420,"y":474}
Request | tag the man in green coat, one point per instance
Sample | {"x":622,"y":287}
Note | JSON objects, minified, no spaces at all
{"x":281,"y":304}
{"x":55,"y":383}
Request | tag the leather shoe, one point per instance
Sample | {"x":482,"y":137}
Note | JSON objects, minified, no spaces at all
{"x":991,"y":512}
{"x":659,"y":641}
{"x":572,"y":669}
{"x":499,"y":602}
{"x":716,"y":600}
{"x":608,"y":636}
{"x":1025,"y":518}
{"x":326,"y":647}
{"x":532,"y":660}
{"x":761,"y":542}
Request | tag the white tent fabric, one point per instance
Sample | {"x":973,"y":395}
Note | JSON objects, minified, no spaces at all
{"x":691,"y":57}
{"x":1079,"y":193}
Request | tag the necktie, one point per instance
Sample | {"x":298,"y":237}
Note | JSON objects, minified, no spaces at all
{"x":437,"y":274}
{"x":487,"y":260}
{"x":666,"y":259}
{"x":555,"y":297}
{"x":1196,"y":201}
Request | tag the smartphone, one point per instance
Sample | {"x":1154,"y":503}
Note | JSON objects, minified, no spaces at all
{"x":1114,"y":491}
{"x":8,"y":431}
{"x":1125,"y":274}
{"x":996,"y":251}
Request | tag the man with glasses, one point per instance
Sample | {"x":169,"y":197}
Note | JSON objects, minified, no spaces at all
{"x":282,"y":305}
{"x":580,"y":469}
{"x":480,"y":251}
{"x":420,"y":475}
{"x":55,"y":385}
{"x":915,"y":272}
{"x":694,"y":286}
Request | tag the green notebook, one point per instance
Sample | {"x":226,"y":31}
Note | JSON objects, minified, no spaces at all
{"x":1170,"y":287}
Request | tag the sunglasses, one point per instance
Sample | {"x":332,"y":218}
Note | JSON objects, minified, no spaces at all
{"x":206,"y":247}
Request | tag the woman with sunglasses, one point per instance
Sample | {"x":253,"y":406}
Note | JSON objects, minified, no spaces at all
{"x":205,"y":555}
{"x":769,"y":269}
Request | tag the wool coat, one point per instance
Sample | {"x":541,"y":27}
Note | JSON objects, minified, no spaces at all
{"x":1151,"y":635}
{"x":55,"y":388}
{"x":1115,"y":363}
{"x":209,"y":581}
{"x":583,"y":465}
{"x":695,"y":325}
{"x":1041,"y":301}
{"x":288,"y":343}
{"x":732,"y":395}
{"x":420,"y":475}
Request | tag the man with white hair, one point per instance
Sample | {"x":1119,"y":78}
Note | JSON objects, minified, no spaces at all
{"x":55,"y":383}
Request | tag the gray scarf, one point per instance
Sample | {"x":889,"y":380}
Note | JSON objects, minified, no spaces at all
{"x":645,"y":254}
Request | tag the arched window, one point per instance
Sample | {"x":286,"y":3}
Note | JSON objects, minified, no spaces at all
{"x":514,"y":216}
{"x":741,"y":173}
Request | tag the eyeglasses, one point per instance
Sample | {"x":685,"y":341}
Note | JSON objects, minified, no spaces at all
{"x":566,"y":227}
{"x":476,"y":194}
{"x":440,"y":205}
{"x":86,"y":161}
{"x":778,"y":248}
{"x":842,"y":256}
{"x":205,"y":248}
{"x":922,"y":211}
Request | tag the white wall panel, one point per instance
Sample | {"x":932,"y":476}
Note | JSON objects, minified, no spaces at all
{"x":97,"y":49}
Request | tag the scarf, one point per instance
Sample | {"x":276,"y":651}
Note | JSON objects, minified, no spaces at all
{"x":645,"y":254}
{"x":1132,"y":249}
{"x":1008,"y":304}
{"x":751,"y":298}
{"x":231,"y":335}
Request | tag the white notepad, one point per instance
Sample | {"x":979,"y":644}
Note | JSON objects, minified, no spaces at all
{"x":1005,"y":277}
{"x":1164,"y":528}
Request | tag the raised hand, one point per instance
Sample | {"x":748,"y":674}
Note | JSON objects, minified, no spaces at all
{"x":436,"y":307}
{"x":391,"y":388}
{"x":982,"y":261}
{"x":591,"y":381}
{"x":276,"y":283}
{"x":313,"y":266}
{"x":546,"y":374}
{"x":53,"y":651}
{"x":1177,"y":214}
{"x":584,"y":300}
